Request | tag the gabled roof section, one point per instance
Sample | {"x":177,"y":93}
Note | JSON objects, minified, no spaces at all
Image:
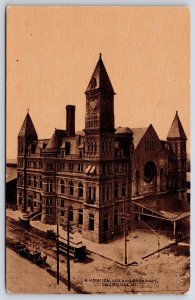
{"x":27,"y":128}
{"x":138,"y":134}
{"x":123,"y":130}
{"x":100,"y":78}
{"x":56,"y":139}
{"x":176,"y":131}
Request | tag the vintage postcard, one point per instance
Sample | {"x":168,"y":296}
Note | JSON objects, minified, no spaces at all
{"x":98,"y":150}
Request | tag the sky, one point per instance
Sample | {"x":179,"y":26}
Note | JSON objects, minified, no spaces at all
{"x":51,"y":53}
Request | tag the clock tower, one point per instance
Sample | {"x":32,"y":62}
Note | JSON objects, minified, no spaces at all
{"x":99,"y":116}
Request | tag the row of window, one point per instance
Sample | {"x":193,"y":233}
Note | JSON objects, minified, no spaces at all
{"x":150,"y":145}
{"x":89,"y":147}
{"x":92,"y":122}
{"x":91,"y":223}
{"x":71,"y":188}
{"x":34,"y":164}
{"x":106,"y":168}
{"x":49,"y":211}
{"x":118,"y":167}
{"x":106,"y":192}
{"x":34,"y":181}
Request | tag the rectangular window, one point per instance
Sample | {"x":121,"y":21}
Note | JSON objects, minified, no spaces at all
{"x":91,"y":222}
{"x":20,"y":199}
{"x":71,"y":166}
{"x":105,"y":223}
{"x":49,"y":201}
{"x":80,"y":167}
{"x":115,"y":217}
{"x":80,"y":217}
{"x":116,"y":167}
{"x":62,"y":213}
{"x":49,"y":186}
{"x":71,"y":216}
{"x":48,"y":210}
{"x":106,"y":194}
{"x":92,"y":194}
{"x":67,"y":147}
{"x":62,"y":203}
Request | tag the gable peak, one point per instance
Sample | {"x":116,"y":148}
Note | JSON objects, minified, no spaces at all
{"x":176,"y":131}
{"x":100,"y":79}
{"x":27,"y":128}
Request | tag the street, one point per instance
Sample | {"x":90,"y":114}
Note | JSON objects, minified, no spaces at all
{"x":24,"y":277}
{"x":163,"y":272}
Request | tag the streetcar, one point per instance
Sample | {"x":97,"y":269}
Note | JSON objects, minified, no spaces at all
{"x":76,"y":248}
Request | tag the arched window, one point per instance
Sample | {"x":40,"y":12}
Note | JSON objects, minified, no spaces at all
{"x":80,"y":190}
{"x":62,"y":186}
{"x":116,"y":190}
{"x":123,"y":190}
{"x":149,"y":171}
{"x":71,"y":187}
{"x":35,"y":181}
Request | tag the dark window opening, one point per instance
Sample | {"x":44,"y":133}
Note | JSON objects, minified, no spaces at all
{"x":123,"y":190}
{"x":71,"y":216}
{"x":91,"y":222}
{"x":115,"y":217}
{"x":116,"y":191}
{"x":71,"y":188}
{"x":80,"y":190}
{"x":80,"y":217}
{"x":105,"y":223}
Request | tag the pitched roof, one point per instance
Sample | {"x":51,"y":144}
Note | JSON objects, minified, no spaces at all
{"x":138,"y":134}
{"x":123,"y":130}
{"x":28,"y":128}
{"x":100,"y":78}
{"x":56,"y":139}
{"x":176,"y":130}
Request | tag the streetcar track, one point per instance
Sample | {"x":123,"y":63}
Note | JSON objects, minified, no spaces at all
{"x":17,"y":229}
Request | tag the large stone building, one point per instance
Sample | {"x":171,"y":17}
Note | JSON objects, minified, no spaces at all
{"x":99,"y":171}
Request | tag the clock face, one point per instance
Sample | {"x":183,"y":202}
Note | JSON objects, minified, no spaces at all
{"x":93,"y":103}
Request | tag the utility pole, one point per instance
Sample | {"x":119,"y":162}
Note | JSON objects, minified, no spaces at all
{"x":25,"y":198}
{"x":125,"y":233}
{"x":68,"y":245}
{"x":57,"y":255}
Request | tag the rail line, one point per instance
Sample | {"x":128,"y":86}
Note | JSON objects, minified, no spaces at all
{"x":29,"y":236}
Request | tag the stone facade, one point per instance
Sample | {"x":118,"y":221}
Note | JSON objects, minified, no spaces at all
{"x":96,"y":172}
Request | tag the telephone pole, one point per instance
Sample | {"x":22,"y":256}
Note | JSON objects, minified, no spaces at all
{"x":68,"y":246}
{"x":125,"y":233}
{"x":57,"y":255}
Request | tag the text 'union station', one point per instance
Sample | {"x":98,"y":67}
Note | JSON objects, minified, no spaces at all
{"x":102,"y":173}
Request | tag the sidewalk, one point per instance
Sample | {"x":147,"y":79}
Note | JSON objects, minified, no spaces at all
{"x":140,"y":242}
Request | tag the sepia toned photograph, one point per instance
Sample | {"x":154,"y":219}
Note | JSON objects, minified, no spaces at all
{"x":97,"y":150}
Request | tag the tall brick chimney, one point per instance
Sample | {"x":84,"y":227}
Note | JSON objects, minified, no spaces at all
{"x":70,"y":120}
